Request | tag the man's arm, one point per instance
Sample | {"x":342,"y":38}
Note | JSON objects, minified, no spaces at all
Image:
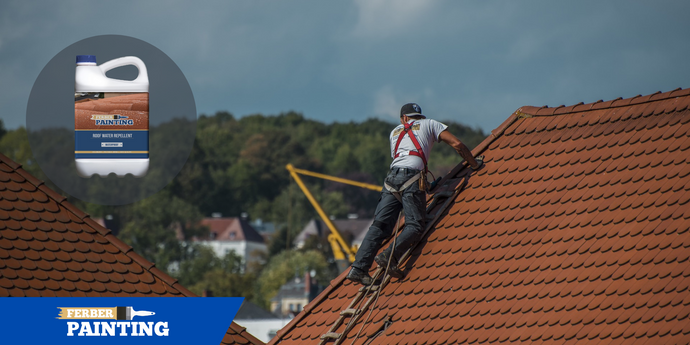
{"x":448,"y":138}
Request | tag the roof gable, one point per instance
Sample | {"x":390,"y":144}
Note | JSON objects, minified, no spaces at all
{"x":350,"y":229}
{"x":576,"y":229}
{"x":232,"y":229}
{"x":49,"y":248}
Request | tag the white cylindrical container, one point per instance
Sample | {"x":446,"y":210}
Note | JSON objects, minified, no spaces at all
{"x":111,"y":119}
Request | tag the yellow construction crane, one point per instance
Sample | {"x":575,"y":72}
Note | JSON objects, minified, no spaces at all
{"x":344,"y":253}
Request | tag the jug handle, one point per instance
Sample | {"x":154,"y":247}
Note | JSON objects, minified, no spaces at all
{"x":143,"y":76}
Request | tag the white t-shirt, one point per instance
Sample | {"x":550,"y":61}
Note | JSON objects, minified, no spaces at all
{"x":426,"y":131}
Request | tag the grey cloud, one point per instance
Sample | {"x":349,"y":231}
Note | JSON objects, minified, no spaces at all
{"x":338,"y":61}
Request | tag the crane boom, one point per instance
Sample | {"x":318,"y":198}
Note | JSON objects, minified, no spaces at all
{"x":341,"y":249}
{"x":333,"y":178}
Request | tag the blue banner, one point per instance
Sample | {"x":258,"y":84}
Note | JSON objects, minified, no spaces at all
{"x":111,"y":144}
{"x":117,"y":320}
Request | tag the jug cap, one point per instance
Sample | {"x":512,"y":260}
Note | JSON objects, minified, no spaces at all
{"x":86,"y":58}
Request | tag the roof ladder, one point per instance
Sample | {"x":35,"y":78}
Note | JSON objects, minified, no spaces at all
{"x":353,"y":312}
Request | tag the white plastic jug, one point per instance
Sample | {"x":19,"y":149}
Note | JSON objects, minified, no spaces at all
{"x":111,"y":119}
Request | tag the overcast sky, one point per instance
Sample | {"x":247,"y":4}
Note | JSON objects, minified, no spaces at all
{"x":473,"y":62}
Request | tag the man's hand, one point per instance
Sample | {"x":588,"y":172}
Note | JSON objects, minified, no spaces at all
{"x":480,"y":163}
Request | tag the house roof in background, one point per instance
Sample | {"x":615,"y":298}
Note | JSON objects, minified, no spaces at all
{"x":232,"y":229}
{"x":577,"y":229}
{"x":251,"y":311}
{"x":295,"y":288}
{"x":349,"y":228}
{"x":49,"y":248}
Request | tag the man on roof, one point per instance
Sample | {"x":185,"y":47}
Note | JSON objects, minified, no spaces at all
{"x":411,"y":143}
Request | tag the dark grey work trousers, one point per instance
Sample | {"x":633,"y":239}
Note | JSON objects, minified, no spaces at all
{"x":414,"y":208}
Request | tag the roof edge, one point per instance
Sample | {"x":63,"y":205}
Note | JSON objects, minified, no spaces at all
{"x":106,"y":233}
{"x":243,"y":332}
{"x":601,"y":104}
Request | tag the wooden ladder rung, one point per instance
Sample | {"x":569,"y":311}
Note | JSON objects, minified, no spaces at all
{"x":370,"y":288}
{"x":349,"y":312}
{"x":331,"y":335}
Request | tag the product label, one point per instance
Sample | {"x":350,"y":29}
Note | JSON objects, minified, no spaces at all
{"x":111,"y":125}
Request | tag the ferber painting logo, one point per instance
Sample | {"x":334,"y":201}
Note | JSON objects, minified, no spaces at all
{"x":110,"y":320}
{"x":112,"y":120}
{"x":123,"y":328}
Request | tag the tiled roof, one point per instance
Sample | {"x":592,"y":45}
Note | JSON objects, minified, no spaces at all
{"x":232,"y":229}
{"x":49,"y":248}
{"x":575,"y":231}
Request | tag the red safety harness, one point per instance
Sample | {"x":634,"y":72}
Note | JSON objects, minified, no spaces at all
{"x":419,"y":153}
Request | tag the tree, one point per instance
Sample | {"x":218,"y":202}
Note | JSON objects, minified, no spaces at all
{"x":224,"y":277}
{"x":15,"y":145}
{"x":151,"y":227}
{"x":285,"y":266}
{"x":3,"y":131}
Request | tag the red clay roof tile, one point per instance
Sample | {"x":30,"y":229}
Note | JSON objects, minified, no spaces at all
{"x":575,"y":231}
{"x":50,"y":248}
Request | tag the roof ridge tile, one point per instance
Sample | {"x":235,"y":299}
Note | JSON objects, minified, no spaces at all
{"x":51,"y":193}
{"x":12,"y":164}
{"x":147,"y":265}
{"x":30,"y":178}
{"x":77,"y":212}
{"x":121,"y":246}
{"x":601,"y":104}
{"x":97,"y":227}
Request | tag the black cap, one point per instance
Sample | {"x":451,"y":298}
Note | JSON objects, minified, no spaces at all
{"x":411,"y":109}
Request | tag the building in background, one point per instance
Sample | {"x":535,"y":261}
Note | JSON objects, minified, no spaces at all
{"x":294,"y":295}
{"x":259,"y":322}
{"x":350,"y":229}
{"x":234,"y":234}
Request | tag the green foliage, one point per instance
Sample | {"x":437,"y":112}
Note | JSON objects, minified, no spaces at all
{"x":3,"y":131}
{"x":225,"y":284}
{"x":224,"y":277}
{"x":201,"y":259}
{"x":151,"y":225}
{"x":15,"y":145}
{"x":287,"y":265}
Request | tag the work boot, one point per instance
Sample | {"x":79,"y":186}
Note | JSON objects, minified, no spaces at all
{"x":393,"y":270}
{"x":359,"y":276}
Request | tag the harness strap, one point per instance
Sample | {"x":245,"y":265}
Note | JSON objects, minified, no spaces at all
{"x":407,"y":129}
{"x":398,"y":192}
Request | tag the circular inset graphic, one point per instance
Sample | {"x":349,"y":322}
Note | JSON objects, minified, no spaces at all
{"x":97,"y":119}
